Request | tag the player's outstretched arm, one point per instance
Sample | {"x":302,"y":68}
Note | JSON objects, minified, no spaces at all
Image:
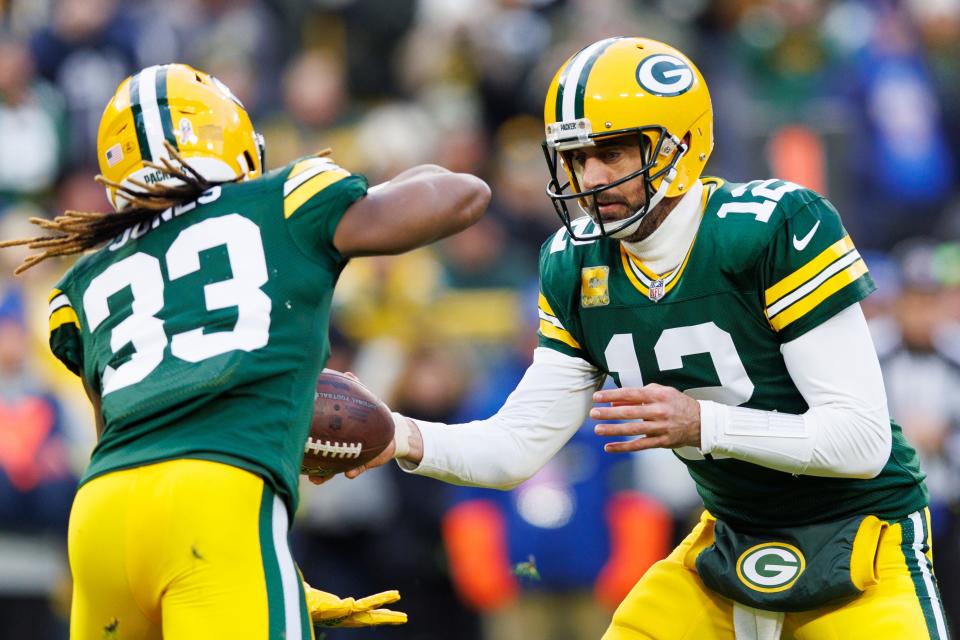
{"x":543,"y":412}
{"x":419,"y":206}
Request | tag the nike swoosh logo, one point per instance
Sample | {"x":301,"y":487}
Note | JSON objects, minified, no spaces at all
{"x":802,"y":243}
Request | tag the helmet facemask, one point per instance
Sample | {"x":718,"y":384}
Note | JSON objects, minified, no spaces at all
{"x":655,"y":142}
{"x":625,"y":86}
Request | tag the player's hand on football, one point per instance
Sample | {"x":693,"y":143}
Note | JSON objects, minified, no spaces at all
{"x":413,"y":452}
{"x":411,"y":449}
{"x":662,"y":416}
{"x":329,"y":610}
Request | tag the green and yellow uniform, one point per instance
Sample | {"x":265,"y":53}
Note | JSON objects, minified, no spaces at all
{"x":770,"y":262}
{"x":203,"y":332}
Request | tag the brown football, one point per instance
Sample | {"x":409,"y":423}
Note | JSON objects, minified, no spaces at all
{"x":350,"y":426}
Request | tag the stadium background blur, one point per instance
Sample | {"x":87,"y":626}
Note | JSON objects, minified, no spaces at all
{"x":856,"y":99}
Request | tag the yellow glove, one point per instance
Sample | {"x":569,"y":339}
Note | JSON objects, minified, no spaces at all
{"x":332,"y":611}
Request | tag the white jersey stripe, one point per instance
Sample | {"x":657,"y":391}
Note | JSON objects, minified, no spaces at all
{"x":647,"y":281}
{"x":813,"y":283}
{"x":919,"y":540}
{"x":289,"y":579}
{"x":59,"y":302}
{"x":552,"y":320}
{"x":290,"y":185}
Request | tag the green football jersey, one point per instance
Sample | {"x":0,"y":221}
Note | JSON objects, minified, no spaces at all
{"x":770,"y":261}
{"x":204,"y":330}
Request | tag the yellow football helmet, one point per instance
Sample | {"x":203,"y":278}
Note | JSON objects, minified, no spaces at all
{"x":193,"y":111}
{"x":619,"y":87}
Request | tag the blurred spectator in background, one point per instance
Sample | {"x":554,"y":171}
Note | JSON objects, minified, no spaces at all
{"x":36,"y":487}
{"x":314,"y":112}
{"x":241,"y":42}
{"x":31,"y":118}
{"x":922,"y":377}
{"x":518,"y":199}
{"x":88,"y":47}
{"x":904,"y":165}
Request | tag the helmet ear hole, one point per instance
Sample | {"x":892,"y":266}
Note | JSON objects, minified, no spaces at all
{"x":250,"y":164}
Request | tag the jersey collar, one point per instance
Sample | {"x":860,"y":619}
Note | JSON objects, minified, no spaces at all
{"x":671,"y":243}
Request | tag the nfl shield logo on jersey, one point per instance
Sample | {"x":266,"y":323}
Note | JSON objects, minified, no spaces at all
{"x":656,"y":290}
{"x":593,"y":286}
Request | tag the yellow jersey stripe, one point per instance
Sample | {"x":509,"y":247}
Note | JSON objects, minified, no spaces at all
{"x":713,"y":182}
{"x":810,"y":285}
{"x":809,"y":270}
{"x":311,"y":163}
{"x":550,"y":331}
{"x":806,"y":304}
{"x":62,"y":316}
{"x":644,"y":269}
{"x":53,"y":294}
{"x":671,"y":278}
{"x":310,"y":188}
{"x":647,"y":271}
{"x":631,"y":276}
{"x":544,"y":305}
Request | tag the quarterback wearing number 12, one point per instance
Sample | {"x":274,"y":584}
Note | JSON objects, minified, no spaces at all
{"x":728,"y":316}
{"x":199,"y":330}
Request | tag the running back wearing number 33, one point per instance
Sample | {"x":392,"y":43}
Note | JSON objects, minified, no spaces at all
{"x":199,"y":328}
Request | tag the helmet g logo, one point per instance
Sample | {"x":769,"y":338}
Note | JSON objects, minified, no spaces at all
{"x":664,"y":75}
{"x":770,"y":567}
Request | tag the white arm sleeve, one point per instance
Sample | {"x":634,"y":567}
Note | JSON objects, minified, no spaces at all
{"x":548,"y":406}
{"x":846,"y":431}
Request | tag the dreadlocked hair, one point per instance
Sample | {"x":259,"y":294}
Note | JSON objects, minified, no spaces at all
{"x":78,"y":231}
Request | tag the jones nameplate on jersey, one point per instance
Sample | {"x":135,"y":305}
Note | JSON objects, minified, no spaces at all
{"x":593,"y":286}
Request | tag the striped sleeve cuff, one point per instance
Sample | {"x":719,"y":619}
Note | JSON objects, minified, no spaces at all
{"x":551,"y":327}
{"x":61,"y":312}
{"x":307,"y":179}
{"x":805,"y":289}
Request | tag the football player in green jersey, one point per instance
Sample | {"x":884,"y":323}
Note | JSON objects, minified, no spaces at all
{"x":199,"y":329}
{"x":728,"y":316}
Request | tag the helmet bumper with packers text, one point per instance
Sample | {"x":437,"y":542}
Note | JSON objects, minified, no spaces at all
{"x":627,"y":87}
{"x":193,"y":111}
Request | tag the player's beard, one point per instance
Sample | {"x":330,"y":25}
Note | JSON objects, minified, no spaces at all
{"x":651,"y":220}
{"x":643,"y":227}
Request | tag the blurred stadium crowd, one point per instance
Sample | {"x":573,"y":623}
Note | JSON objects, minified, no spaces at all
{"x":857,"y":99}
